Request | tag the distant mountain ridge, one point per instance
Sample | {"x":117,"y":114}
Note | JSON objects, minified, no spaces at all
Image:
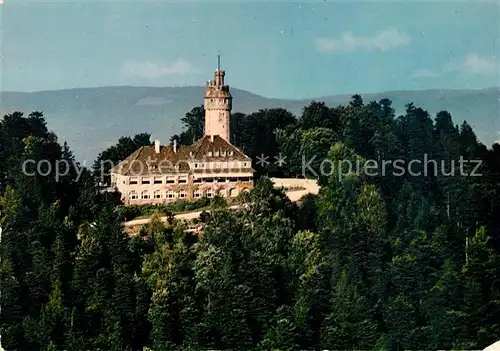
{"x":91,"y":119}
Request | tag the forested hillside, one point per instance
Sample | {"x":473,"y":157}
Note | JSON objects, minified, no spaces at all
{"x":375,"y":262}
{"x":91,"y":118}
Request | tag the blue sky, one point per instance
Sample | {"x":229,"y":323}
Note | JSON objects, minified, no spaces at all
{"x":276,"y":49}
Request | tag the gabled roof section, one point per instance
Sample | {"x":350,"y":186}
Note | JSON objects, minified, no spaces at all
{"x":226,"y":151}
{"x":145,"y":161}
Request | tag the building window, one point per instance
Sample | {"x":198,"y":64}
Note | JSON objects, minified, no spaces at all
{"x":223,"y":153}
{"x":216,"y":153}
{"x":245,"y":164}
{"x":132,"y":181}
{"x":182,"y":194}
{"x":197,"y":180}
{"x":210,"y":193}
{"x":195,"y":165}
{"x":170,"y":180}
{"x":157,"y":194}
{"x":146,"y":181}
{"x":230,"y":153}
{"x":145,"y":195}
{"x":209,"y":180}
{"x":197,"y":194}
{"x":132,"y":195}
{"x":183,"y":179}
{"x":158,"y":180}
{"x":209,"y":153}
{"x":170,"y":194}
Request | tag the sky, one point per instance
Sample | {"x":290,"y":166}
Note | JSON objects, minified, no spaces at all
{"x":272,"y":48}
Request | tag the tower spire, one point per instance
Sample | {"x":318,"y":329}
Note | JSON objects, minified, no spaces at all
{"x":218,"y":62}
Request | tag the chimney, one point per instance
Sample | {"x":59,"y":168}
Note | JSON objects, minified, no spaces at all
{"x":175,"y":145}
{"x":157,"y":146}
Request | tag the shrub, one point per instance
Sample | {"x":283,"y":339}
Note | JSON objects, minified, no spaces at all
{"x":128,"y":213}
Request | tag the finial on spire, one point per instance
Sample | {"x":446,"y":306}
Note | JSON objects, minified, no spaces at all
{"x":218,"y":62}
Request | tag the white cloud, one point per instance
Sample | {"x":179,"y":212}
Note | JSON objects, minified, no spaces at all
{"x":424,"y":73}
{"x":474,"y":64}
{"x":153,"y":70}
{"x":383,"y":41}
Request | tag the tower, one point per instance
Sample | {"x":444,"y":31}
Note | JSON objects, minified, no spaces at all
{"x":218,"y":104}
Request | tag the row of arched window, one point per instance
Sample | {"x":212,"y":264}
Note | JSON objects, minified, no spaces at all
{"x":181,"y":194}
{"x":157,"y":194}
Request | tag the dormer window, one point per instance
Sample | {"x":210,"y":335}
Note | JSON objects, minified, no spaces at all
{"x":223,"y":153}
{"x":230,"y":153}
{"x":216,"y":153}
{"x":209,"y":154}
{"x":151,"y":165}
